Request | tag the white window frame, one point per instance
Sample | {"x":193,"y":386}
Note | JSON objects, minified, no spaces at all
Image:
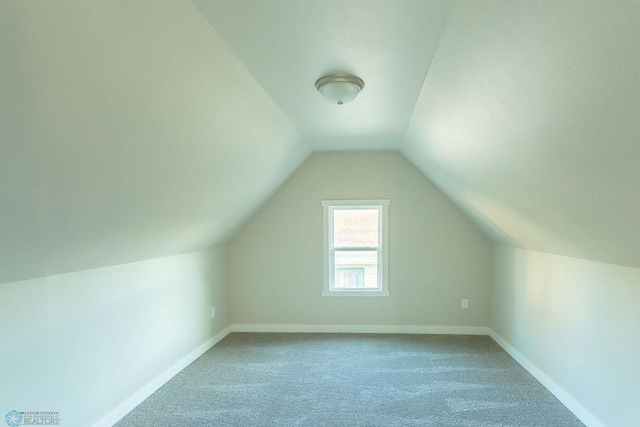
{"x":328,"y":206}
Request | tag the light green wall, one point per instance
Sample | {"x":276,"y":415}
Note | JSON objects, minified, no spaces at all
{"x":436,"y":255}
{"x":577,"y":321}
{"x":82,"y":343}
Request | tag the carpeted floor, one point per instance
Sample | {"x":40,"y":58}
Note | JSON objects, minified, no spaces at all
{"x":352,"y":380}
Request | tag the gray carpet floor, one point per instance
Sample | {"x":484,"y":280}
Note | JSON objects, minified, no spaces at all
{"x":352,"y":380}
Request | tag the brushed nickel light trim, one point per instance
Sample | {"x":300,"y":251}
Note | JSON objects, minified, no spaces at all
{"x":339,"y":88}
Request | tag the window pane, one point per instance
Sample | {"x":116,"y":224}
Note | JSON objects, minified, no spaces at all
{"x":348,"y":262}
{"x":350,"y":277}
{"x":355,"y":228}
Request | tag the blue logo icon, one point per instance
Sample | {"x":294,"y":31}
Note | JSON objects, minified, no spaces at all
{"x":13,"y":418}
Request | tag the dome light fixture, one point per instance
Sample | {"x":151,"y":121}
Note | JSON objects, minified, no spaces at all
{"x":339,"y":88}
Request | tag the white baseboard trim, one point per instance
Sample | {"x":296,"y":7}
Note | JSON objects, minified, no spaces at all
{"x":567,"y":400}
{"x":573,"y":405}
{"x":361,"y":329}
{"x":125,"y":407}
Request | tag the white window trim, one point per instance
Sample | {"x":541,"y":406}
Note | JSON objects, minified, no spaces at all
{"x":383,"y":264}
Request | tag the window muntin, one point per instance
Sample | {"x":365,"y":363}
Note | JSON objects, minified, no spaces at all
{"x":355,"y":253}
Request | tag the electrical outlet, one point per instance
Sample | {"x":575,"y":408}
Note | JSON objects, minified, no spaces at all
{"x":213,"y":312}
{"x":465,"y":303}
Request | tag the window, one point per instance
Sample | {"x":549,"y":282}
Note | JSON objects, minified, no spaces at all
{"x":355,"y":247}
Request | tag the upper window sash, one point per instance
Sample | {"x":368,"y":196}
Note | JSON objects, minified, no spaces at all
{"x":334,"y":205}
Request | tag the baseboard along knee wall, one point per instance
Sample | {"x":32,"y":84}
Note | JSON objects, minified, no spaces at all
{"x":126,"y":406}
{"x":361,"y":329}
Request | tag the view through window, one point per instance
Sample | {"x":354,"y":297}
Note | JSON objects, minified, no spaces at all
{"x":355,"y":247}
{"x":355,"y":243}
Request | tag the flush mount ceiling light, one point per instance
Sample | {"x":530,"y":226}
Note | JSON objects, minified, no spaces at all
{"x":339,"y":88}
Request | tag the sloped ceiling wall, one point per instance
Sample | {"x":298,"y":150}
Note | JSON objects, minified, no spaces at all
{"x":128,"y":131}
{"x":529,"y":121}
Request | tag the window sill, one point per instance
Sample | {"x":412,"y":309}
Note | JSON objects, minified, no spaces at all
{"x":371,"y":293}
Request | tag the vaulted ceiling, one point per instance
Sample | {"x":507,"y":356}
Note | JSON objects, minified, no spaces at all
{"x":138,"y":129}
